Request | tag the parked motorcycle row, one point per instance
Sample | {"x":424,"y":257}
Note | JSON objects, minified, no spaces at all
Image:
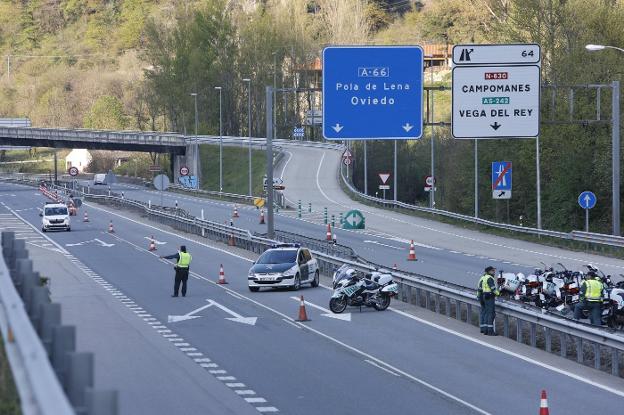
{"x":558,"y":288}
{"x":357,"y":289}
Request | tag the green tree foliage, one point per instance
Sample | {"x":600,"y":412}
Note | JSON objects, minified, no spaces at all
{"x":107,"y":113}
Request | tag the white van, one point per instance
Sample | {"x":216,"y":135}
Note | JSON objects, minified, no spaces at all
{"x":99,"y":178}
{"x":55,"y":216}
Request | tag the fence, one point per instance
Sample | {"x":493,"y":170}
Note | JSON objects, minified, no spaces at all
{"x":599,"y":347}
{"x":42,"y":351}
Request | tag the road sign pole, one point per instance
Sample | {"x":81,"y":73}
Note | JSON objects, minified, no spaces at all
{"x":586,"y":220}
{"x":432,"y":194}
{"x":395,"y":171}
{"x":269,"y":160}
{"x":365,"y":171}
{"x":615,"y":155}
{"x":538,"y":184}
{"x":476,"y":178}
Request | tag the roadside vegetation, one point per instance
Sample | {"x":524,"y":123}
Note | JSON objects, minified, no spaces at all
{"x":9,"y":400}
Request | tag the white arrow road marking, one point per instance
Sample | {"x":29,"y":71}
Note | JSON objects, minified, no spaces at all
{"x":337,"y":127}
{"x":102,"y":243}
{"x":235,"y":316}
{"x":343,"y":317}
{"x":187,"y":316}
{"x":387,"y":246}
{"x":149,"y":238}
{"x":407,"y":127}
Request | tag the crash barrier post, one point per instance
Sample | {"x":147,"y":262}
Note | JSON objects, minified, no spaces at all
{"x":299,"y":209}
{"x":516,"y":320}
{"x":309,"y":207}
{"x":325,"y":215}
{"x":39,"y":347}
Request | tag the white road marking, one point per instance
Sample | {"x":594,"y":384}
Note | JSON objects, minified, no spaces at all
{"x":387,"y":246}
{"x":245,"y":392}
{"x":255,"y":400}
{"x":266,"y":409}
{"x":235,"y":385}
{"x":381,"y":367}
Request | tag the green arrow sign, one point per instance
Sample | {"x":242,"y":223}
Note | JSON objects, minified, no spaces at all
{"x":353,"y":219}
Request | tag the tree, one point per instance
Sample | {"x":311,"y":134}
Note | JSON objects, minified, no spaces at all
{"x":106,"y":113}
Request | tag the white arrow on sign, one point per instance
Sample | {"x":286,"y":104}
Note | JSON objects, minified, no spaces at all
{"x":337,"y":127}
{"x":235,"y":316}
{"x":384,"y":177}
{"x":587,"y":200}
{"x":155,"y":241}
{"x":353,"y":219}
{"x":407,"y":127}
{"x":327,"y":313}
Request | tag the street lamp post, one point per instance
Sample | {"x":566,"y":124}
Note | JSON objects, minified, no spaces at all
{"x":615,"y":143}
{"x":248,"y":81}
{"x":220,"y":141}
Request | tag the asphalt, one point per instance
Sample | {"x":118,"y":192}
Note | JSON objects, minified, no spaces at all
{"x":392,"y":361}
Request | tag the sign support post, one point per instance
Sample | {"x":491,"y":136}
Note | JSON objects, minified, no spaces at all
{"x":365,"y":171}
{"x":538,"y":185}
{"x":615,"y":156}
{"x":476,"y":178}
{"x":395,"y":170}
{"x":269,"y":159}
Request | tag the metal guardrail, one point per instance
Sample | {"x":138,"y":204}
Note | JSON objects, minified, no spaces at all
{"x":602,"y":348}
{"x":42,"y":351}
{"x":603,"y":239}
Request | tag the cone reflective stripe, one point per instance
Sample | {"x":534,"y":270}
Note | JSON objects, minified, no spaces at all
{"x":110,"y":227}
{"x":86,"y":217}
{"x":328,"y":235}
{"x":235,"y":215}
{"x":221,"y":276}
{"x":152,"y":245}
{"x":303,"y":316}
{"x":262,"y":217}
{"x":412,"y":252}
{"x":544,"y":404}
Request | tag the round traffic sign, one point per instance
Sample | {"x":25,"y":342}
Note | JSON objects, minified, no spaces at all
{"x":587,"y":200}
{"x":429,"y":181}
{"x":161,"y":182}
{"x":346,"y":161}
{"x":73,"y":171}
{"x":184,"y":171}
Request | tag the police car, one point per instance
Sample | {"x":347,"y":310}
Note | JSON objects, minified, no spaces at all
{"x":284,"y":265}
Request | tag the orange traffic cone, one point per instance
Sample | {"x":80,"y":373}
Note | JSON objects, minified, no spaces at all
{"x":328,"y":235}
{"x":152,"y":244}
{"x":412,"y":252}
{"x":221,"y":276}
{"x":262,"y":217}
{"x":235,"y":215}
{"x":303,"y":316}
{"x":86,"y":217}
{"x":544,"y":404}
{"x":110,"y":227}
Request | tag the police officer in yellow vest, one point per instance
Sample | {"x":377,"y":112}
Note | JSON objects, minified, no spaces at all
{"x":183,"y":262}
{"x":486,"y":294}
{"x":591,"y":299}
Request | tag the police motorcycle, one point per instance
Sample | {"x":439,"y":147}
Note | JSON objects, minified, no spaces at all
{"x":560,"y":288}
{"x":353,"y":288}
{"x":616,"y":295}
{"x":607,"y":309}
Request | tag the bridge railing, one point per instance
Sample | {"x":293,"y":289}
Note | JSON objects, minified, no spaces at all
{"x":599,"y":347}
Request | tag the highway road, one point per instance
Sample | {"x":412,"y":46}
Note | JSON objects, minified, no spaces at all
{"x":392,"y":362}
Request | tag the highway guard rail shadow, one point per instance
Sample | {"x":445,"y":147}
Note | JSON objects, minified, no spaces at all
{"x":51,"y":377}
{"x":598,"y":347}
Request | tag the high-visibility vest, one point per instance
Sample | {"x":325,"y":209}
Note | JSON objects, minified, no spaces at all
{"x":593,"y":290}
{"x":185,"y":260}
{"x":483,"y":285}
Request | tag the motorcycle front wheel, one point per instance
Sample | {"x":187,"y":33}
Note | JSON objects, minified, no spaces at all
{"x":383,"y":302}
{"x":338,"y":304}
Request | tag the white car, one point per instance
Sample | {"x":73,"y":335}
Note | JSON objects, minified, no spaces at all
{"x":99,"y":178}
{"x":55,"y":216}
{"x":284,"y":265}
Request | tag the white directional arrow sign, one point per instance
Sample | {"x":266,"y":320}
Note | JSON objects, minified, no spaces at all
{"x":407,"y":127}
{"x":337,"y":127}
{"x":353,"y":220}
{"x":98,"y":241}
{"x":327,"y":313}
{"x":235,"y":316}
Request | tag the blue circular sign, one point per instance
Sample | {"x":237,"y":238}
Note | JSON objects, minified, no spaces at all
{"x":587,"y":200}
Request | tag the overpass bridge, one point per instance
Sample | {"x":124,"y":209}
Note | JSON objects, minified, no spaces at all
{"x":180,"y":147}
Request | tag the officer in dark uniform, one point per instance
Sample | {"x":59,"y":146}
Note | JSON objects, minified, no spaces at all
{"x":183,"y":262}
{"x":486,"y":293}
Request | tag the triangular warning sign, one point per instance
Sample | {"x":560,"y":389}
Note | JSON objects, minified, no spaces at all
{"x":384,"y":177}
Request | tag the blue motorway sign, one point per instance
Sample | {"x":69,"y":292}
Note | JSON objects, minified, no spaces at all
{"x":501,"y":175}
{"x":372,"y":92}
{"x":587,"y":200}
